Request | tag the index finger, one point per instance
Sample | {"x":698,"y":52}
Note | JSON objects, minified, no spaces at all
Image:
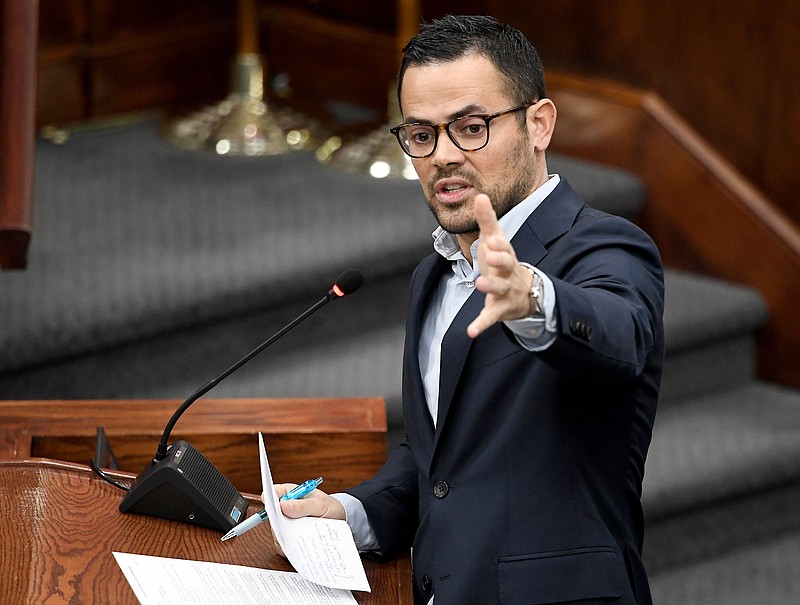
{"x":486,"y":217}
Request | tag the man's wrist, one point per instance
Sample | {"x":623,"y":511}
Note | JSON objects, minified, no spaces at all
{"x":536,"y":293}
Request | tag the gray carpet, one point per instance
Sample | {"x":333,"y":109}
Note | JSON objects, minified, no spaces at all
{"x":133,"y":237}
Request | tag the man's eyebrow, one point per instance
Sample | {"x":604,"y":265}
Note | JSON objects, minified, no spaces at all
{"x":464,"y":111}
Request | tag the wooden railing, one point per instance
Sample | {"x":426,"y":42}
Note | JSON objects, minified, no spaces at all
{"x":702,"y":213}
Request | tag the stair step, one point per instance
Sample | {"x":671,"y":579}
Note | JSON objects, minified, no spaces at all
{"x":710,"y":328}
{"x":720,"y":447}
{"x":612,"y":190}
{"x":702,"y":309}
{"x":763,"y":572}
{"x":706,"y":532}
{"x":350,"y":348}
{"x":722,"y":475}
{"x":353,"y":347}
{"x":168,"y":239}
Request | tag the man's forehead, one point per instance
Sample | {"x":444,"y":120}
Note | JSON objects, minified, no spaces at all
{"x":446,"y":90}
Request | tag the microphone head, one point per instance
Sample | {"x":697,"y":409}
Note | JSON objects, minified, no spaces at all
{"x":347,"y":283}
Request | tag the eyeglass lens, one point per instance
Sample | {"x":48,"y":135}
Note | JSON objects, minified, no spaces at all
{"x":469,"y":133}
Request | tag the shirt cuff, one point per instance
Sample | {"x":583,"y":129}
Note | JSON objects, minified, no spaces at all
{"x":356,"y":518}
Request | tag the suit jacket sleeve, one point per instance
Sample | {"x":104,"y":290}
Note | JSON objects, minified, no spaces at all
{"x":609,"y":289}
{"x":390,"y":501}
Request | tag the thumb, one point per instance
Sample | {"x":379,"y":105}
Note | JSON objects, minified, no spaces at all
{"x":320,"y":506}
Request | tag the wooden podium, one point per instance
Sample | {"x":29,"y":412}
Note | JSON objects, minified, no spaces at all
{"x":60,"y":523}
{"x":342,"y":440}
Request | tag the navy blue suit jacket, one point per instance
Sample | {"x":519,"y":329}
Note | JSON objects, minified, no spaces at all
{"x":528,"y":489}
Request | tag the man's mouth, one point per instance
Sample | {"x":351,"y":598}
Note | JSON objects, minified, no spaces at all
{"x":452,"y":191}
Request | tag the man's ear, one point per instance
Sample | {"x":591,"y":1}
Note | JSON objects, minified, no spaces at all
{"x":541,"y":123}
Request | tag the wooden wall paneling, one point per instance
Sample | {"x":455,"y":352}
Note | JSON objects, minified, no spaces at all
{"x":62,"y":23}
{"x":379,"y":17}
{"x":603,"y":128}
{"x":160,"y":54}
{"x":62,"y":66}
{"x":62,"y":86}
{"x":178,"y":70}
{"x":781,"y":120}
{"x":129,"y":20}
{"x":732,"y":74}
{"x":328,"y":60}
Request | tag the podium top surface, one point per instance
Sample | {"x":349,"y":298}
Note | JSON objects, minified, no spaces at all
{"x":59,"y":524}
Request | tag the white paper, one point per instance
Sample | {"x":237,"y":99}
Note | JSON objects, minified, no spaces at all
{"x":321,"y":550}
{"x":162,"y":581}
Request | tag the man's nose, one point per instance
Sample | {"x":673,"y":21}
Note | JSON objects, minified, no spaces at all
{"x":446,"y":151}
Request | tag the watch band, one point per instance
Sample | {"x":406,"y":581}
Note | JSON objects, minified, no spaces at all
{"x":536,"y":293}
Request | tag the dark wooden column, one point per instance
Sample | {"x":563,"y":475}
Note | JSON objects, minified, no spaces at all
{"x":18,"y":25}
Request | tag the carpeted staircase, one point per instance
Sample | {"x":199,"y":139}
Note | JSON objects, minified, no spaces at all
{"x":153,"y":269}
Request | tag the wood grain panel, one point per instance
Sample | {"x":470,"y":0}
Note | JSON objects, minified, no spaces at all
{"x":352,"y":457}
{"x":732,"y":73}
{"x":329,"y":60}
{"x":344,"y":440}
{"x":174,"y":70}
{"x":374,"y":16}
{"x":62,"y":23}
{"x":128,"y":21}
{"x":60,"y":524}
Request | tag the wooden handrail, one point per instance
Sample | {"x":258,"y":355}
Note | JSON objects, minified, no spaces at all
{"x":17,"y":118}
{"x":703,"y":214}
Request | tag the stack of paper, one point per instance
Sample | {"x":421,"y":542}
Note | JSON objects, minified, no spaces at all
{"x":321,"y":550}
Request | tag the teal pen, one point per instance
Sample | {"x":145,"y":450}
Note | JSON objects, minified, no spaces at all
{"x":301,"y":491}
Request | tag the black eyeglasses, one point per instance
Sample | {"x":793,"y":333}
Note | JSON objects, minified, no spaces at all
{"x":468,"y":133}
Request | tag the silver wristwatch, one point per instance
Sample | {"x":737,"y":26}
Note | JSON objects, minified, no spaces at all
{"x":536,"y":293}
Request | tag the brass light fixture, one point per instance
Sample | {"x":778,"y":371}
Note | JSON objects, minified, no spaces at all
{"x":245,"y":123}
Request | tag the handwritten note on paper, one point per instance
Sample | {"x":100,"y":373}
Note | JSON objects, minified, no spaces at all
{"x":163,"y":581}
{"x":321,"y":550}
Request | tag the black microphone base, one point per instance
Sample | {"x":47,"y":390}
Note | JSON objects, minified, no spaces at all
{"x":186,"y":487}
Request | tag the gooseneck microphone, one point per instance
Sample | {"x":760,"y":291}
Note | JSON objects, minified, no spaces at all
{"x":180,"y":483}
{"x":347,"y":283}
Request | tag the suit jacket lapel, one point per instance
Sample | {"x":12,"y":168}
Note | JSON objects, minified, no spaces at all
{"x":455,"y":347}
{"x":417,"y":419}
{"x":554,"y":216}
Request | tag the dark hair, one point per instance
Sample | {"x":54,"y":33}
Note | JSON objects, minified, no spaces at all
{"x":455,"y":36}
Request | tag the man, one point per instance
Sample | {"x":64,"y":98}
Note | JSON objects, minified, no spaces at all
{"x":533,"y":353}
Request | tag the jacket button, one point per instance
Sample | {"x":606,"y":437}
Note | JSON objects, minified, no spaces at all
{"x":426,"y":584}
{"x":440,"y":489}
